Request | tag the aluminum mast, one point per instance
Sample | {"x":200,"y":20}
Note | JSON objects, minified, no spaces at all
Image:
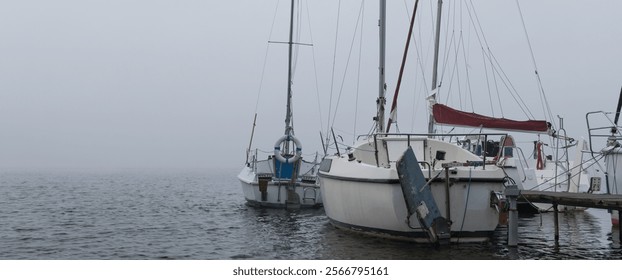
{"x":289,"y":129}
{"x":432,"y":97}
{"x":381,"y":101}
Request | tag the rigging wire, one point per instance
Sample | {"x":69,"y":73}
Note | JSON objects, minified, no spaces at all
{"x":296,"y":40}
{"x":492,"y":108}
{"x":466,"y":61}
{"x":358,"y":74}
{"x":460,"y":46}
{"x":317,"y":91}
{"x":457,"y":40}
{"x":504,"y":78}
{"x":446,"y":53}
{"x":454,"y":69}
{"x":347,"y":64}
{"x":456,"y":47}
{"x":295,"y":53}
{"x":420,"y":62}
{"x":494,"y":77}
{"x":332,"y":80}
{"x":263,"y":70}
{"x":543,"y":98}
{"x":393,"y":115}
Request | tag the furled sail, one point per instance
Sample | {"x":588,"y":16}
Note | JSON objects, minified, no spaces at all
{"x":447,"y":115}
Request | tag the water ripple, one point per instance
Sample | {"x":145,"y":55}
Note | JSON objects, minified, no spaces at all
{"x":202,"y":215}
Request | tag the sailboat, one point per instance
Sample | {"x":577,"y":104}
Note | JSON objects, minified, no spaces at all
{"x":367,"y":190}
{"x":602,"y":128}
{"x":283,"y":179}
{"x":580,"y":175}
{"x":542,"y":172}
{"x":554,"y":172}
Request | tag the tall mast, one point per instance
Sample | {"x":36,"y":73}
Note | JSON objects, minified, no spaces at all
{"x":381,"y":101}
{"x":289,"y":129}
{"x":435,"y":69}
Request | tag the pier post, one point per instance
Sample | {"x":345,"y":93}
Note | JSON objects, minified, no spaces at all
{"x":512,"y":192}
{"x":620,"y":227}
{"x":556,"y":217}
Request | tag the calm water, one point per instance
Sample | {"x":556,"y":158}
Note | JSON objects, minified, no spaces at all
{"x":202,"y":215}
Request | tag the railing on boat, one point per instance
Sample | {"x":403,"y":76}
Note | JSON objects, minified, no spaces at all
{"x":481,"y":146}
{"x":268,"y":172}
{"x":615,"y":131}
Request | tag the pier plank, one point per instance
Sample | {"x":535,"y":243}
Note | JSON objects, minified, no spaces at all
{"x":601,"y":201}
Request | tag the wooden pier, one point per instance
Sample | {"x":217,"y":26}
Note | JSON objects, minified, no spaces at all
{"x":600,"y":201}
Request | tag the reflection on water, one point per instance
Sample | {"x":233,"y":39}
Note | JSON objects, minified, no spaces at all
{"x":307,"y":234}
{"x":202,"y":215}
{"x":582,"y":235}
{"x":614,"y":237}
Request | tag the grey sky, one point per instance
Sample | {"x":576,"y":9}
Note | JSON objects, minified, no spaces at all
{"x":174,"y":84}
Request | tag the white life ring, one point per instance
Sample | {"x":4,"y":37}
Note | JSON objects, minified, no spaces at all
{"x":277,"y":149}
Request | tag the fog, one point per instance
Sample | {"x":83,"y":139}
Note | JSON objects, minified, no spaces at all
{"x":176,"y":84}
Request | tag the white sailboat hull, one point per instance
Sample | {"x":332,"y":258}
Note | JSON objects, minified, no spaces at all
{"x":553,"y":176}
{"x":544,"y":180}
{"x":276,"y":193}
{"x":369,"y":199}
{"x":613,"y":162}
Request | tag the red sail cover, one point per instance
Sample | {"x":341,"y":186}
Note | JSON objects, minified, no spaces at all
{"x":446,"y":115}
